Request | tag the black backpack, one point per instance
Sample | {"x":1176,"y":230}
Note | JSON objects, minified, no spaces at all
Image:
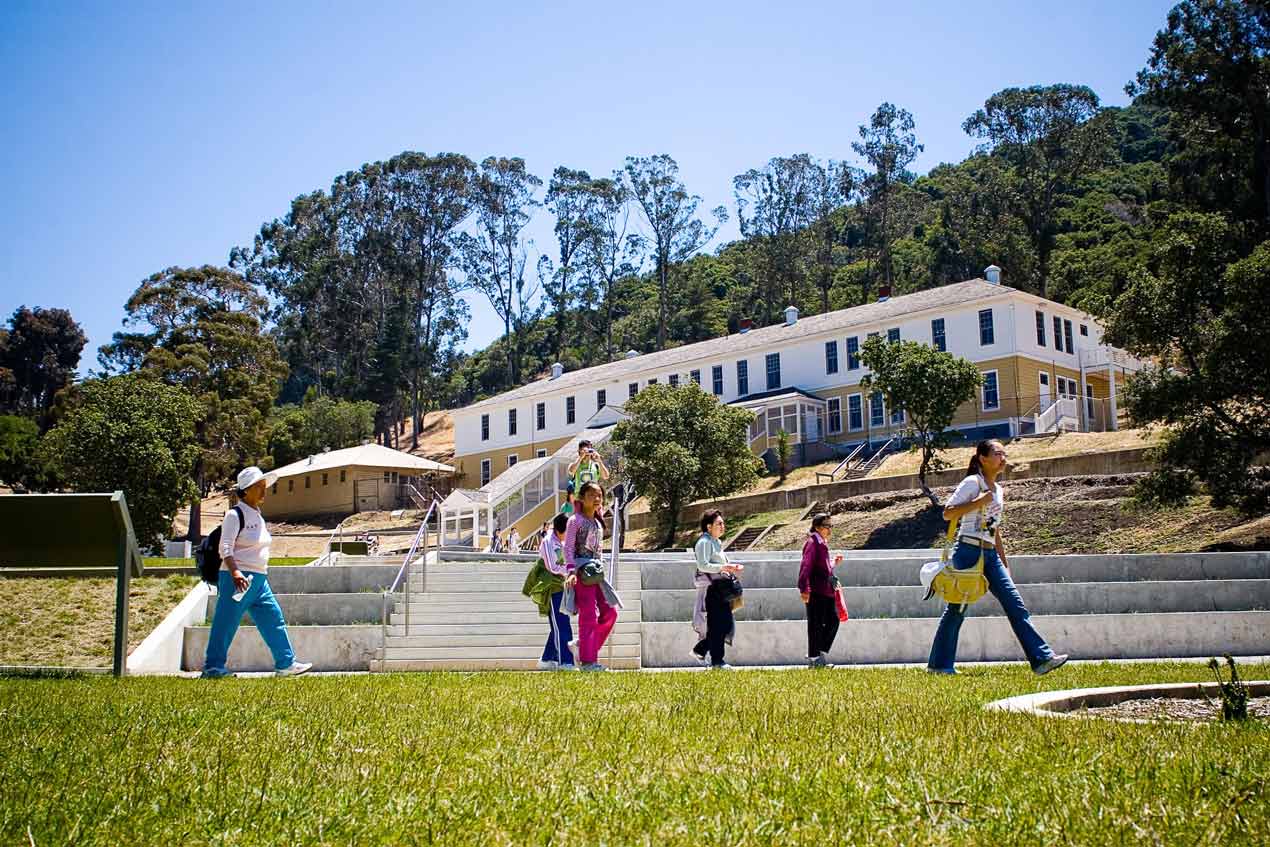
{"x":207,"y":556}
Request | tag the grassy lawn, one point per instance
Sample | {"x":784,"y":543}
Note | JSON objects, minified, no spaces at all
{"x":71,"y":622}
{"x":755,"y":757}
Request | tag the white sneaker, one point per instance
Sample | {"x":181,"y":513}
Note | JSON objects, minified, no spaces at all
{"x":296,"y":669}
{"x":1051,"y":664}
{"x":547,"y":666}
{"x":722,"y":666}
{"x":697,"y":657}
{"x":573,"y":647}
{"x":567,"y":668}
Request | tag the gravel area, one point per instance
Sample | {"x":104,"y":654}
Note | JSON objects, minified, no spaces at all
{"x":1177,"y":709}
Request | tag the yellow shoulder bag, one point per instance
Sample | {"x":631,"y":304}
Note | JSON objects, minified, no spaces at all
{"x":962,"y":587}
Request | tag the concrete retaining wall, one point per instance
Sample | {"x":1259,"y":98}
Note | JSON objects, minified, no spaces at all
{"x":336,"y":579}
{"x":160,"y":652}
{"x":1090,"y":464}
{"x":325,"y":609}
{"x":983,"y":639}
{"x":329,"y":648}
{"x":1071,"y":598}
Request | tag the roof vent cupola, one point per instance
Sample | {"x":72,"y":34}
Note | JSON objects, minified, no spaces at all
{"x":992,"y":274}
{"x":791,"y":315}
{"x":557,"y":370}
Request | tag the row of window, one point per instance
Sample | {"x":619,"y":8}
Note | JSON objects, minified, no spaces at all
{"x":308,"y":481}
{"x":991,"y":400}
{"x":512,"y":460}
{"x":938,"y":339}
{"x":1062,"y":333}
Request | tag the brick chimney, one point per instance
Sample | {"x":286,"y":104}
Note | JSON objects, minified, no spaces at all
{"x":884,"y":293}
{"x":746,"y":325}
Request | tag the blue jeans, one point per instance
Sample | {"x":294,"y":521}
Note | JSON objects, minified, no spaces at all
{"x":557,"y":649}
{"x":265,"y":612}
{"x":943,"y":653}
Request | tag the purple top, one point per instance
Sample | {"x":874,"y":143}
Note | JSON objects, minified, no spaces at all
{"x":814,"y":573}
{"x":584,"y":539}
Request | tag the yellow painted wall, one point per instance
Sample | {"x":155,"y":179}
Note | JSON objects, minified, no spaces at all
{"x":468,"y":467}
{"x":532,"y":521}
{"x":290,"y":496}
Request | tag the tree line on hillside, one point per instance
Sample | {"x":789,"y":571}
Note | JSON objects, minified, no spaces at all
{"x":1152,"y":216}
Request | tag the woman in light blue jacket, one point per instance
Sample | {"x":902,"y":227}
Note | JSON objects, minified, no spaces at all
{"x":712,"y":616}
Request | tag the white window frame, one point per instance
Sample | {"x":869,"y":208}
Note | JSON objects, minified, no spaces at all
{"x":882,"y":423}
{"x":853,"y":356}
{"x":767,"y":370}
{"x":860,"y":397}
{"x":831,"y":346}
{"x":487,"y":472}
{"x":829,"y":410}
{"x":570,"y":411}
{"x":485,"y":427}
{"x":673,"y":380}
{"x":695,"y":375}
{"x":992,"y":327}
{"x":716,"y":380}
{"x":512,"y":459}
{"x":540,"y":417}
{"x":983,"y":391}
{"x":1041,"y":340}
{"x":540,"y":453}
{"x":943,"y":334}
{"x":601,"y":398}
{"x":513,"y":422}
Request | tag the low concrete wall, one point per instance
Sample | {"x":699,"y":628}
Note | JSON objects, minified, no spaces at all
{"x":983,"y":639}
{"x":336,"y":579}
{"x":324,"y":609}
{"x":1090,"y":464}
{"x":329,"y":648}
{"x":160,"y":652}
{"x":783,"y":572}
{"x":1067,"y":598}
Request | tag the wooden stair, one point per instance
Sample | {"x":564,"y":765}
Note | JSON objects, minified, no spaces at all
{"x":743,"y":539}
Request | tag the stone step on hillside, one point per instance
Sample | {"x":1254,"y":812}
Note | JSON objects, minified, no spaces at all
{"x":983,"y":638}
{"x":1067,"y":598}
{"x":770,"y":573}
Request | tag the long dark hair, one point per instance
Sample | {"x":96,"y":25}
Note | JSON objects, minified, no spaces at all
{"x":983,"y":448}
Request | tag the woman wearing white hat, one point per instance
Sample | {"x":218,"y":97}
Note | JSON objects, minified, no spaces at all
{"x":243,"y":584}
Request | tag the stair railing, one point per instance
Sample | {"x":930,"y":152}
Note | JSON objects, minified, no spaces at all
{"x":404,"y":573}
{"x":841,"y":465}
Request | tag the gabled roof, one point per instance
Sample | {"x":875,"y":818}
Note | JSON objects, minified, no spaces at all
{"x":956,"y":294}
{"x":366,"y":456}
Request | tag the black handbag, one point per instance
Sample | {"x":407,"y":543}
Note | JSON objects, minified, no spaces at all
{"x":591,"y":572}
{"x":729,"y":588}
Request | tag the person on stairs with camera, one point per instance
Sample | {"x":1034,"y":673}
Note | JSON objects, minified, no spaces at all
{"x":978,"y":504}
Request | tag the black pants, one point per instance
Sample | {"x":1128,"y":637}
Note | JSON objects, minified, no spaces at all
{"x":718,"y":624}
{"x":822,"y":624}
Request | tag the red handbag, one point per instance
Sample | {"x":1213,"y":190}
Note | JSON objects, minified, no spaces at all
{"x":840,"y":601}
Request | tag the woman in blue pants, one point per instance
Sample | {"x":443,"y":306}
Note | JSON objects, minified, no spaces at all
{"x":243,"y":584}
{"x":978,"y":503}
{"x":556,"y":655}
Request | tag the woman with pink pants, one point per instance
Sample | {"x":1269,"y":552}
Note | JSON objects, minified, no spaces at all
{"x":583,"y":544}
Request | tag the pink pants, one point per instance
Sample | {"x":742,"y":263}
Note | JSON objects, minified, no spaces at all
{"x":592,"y":633}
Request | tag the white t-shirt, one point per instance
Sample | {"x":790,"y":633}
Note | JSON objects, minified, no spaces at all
{"x":249,"y":544}
{"x":979,"y":524}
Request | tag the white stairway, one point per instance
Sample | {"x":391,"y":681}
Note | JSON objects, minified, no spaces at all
{"x":470,"y":615}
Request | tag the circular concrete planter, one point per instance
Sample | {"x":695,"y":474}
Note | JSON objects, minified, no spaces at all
{"x":1069,"y":703}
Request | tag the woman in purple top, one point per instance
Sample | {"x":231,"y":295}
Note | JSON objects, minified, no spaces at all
{"x":584,"y":542}
{"x":815,"y":584}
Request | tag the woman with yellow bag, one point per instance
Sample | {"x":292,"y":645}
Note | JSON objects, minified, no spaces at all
{"x":977,"y":505}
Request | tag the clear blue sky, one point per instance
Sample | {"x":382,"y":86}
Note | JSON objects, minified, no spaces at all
{"x":139,"y":136}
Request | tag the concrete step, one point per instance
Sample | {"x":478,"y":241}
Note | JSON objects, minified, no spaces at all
{"x":983,"y":639}
{"x":478,"y":604}
{"x":484,"y":640}
{"x":392,"y":665}
{"x":459,"y":585}
{"x":1025,"y":569}
{"x":528,"y":652}
{"x":1061,"y":598}
{"x":329,"y":648}
{"x":498,"y":630}
{"x":529,"y":616}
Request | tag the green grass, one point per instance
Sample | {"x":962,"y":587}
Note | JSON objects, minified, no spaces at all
{"x":792,"y":757}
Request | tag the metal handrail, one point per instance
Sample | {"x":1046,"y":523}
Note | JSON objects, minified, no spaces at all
{"x":404,"y":571}
{"x":841,"y":464}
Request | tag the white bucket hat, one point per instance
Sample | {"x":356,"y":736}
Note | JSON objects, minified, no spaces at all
{"x":929,"y":571}
{"x":248,"y":477}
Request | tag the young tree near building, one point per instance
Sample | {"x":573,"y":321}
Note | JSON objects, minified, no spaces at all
{"x":39,"y":353}
{"x":133,"y":434}
{"x":926,"y":383}
{"x":19,"y":438}
{"x":495,"y":255}
{"x":888,"y":144}
{"x":1050,"y":135}
{"x":1199,"y":314}
{"x":675,"y":233}
{"x":201,"y":329}
{"x":681,"y":444}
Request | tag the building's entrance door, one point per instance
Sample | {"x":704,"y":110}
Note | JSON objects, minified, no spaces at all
{"x":366,"y":494}
{"x":1045,"y":393}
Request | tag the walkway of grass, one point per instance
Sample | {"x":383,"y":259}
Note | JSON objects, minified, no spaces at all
{"x":839,"y":757}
